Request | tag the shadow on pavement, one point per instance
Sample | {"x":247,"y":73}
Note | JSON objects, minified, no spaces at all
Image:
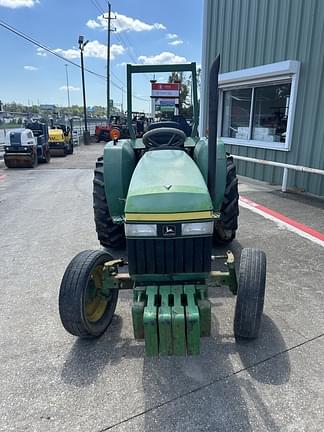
{"x":213,"y":391}
{"x":217,"y":397}
{"x":250,"y":352}
{"x":88,"y":357}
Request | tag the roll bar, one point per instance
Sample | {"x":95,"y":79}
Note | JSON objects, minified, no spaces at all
{"x":183,"y":67}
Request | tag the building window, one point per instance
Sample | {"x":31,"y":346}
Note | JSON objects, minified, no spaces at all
{"x":258,"y":104}
{"x":237,"y":113}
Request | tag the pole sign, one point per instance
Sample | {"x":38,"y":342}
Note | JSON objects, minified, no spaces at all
{"x":165,"y":105}
{"x":166,"y":101}
{"x":166,"y":90}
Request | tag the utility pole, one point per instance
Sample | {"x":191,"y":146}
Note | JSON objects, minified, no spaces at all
{"x":122,"y":103}
{"x":109,"y":18}
{"x":67,"y":85}
{"x":86,"y":134}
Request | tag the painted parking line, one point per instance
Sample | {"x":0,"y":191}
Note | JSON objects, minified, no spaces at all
{"x":283,"y":221}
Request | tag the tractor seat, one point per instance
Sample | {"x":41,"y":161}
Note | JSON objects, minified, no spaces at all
{"x":163,"y":124}
{"x":164,"y":137}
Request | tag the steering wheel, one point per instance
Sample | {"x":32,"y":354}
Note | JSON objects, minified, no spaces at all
{"x":164,"y":136}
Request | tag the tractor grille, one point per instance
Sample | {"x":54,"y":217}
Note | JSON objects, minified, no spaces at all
{"x":166,"y":256}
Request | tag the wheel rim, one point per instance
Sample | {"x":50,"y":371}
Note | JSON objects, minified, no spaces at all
{"x":95,"y":302}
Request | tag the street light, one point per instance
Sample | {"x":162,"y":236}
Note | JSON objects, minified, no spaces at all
{"x":86,"y":134}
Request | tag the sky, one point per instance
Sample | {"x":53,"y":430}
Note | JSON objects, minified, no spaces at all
{"x":146,"y":32}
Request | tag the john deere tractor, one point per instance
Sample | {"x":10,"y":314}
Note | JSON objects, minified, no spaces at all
{"x":164,"y":198}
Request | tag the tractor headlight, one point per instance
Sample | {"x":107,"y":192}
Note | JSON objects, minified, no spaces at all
{"x":197,"y":228}
{"x":7,"y":148}
{"x":25,"y":148}
{"x":140,"y":230}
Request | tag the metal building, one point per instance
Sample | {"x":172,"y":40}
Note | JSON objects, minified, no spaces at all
{"x":271,"y":84}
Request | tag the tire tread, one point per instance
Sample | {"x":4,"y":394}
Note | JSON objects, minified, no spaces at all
{"x":250,"y":296}
{"x":110,"y":235}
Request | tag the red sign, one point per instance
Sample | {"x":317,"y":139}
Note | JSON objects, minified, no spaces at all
{"x":165,"y":89}
{"x":165,"y":86}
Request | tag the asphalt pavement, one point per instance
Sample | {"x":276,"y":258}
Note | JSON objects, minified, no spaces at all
{"x":51,"y":381}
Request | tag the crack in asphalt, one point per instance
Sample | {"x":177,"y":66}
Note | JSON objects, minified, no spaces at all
{"x":202,"y":387}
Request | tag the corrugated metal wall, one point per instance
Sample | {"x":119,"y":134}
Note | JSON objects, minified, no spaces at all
{"x":250,"y":33}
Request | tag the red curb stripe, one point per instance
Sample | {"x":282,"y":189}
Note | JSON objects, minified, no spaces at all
{"x":2,"y":177}
{"x":306,"y":229}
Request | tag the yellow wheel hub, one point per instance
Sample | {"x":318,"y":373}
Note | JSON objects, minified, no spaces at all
{"x":95,"y":304}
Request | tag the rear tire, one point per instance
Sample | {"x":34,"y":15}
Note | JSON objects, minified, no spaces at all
{"x":110,"y":235}
{"x":250,"y":295}
{"x":83,"y":310}
{"x":225,"y":228}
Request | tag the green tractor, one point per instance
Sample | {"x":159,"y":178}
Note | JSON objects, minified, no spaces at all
{"x":161,"y":202}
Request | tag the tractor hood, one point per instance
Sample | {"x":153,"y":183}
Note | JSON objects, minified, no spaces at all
{"x":167,"y":185}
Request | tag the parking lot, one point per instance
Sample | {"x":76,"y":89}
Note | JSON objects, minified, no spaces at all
{"x":51,"y":381}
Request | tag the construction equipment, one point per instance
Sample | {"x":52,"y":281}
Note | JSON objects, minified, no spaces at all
{"x":166,"y":196}
{"x":60,"y":140}
{"x":25,"y":147}
{"x":102,"y":132}
{"x":139,"y":125}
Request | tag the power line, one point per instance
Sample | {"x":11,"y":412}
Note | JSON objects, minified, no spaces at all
{"x":98,"y":7}
{"x":102,"y":12}
{"x":117,"y":78}
{"x":123,"y":42}
{"x":125,"y":39}
{"x":49,"y":50}
{"x":45,"y":48}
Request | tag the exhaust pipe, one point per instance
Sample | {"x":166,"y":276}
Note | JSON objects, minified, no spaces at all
{"x":212,"y":127}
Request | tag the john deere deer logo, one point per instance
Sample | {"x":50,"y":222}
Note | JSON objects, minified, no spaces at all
{"x":169,"y":231}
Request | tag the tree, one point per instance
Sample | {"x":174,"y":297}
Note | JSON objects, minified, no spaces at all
{"x":185,"y":99}
{"x":184,"y":89}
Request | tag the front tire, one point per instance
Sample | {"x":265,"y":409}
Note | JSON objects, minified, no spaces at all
{"x":110,"y":235}
{"x":225,"y":228}
{"x":84,"y":310}
{"x":250,"y":295}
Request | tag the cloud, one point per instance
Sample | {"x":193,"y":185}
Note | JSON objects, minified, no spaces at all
{"x":124,"y":23}
{"x":14,"y":4}
{"x":31,"y":68}
{"x":171,"y":36}
{"x":176,"y":42}
{"x":41,"y":52}
{"x":164,"y":57}
{"x":93,"y":49}
{"x":93,"y":24}
{"x":71,"y":88}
